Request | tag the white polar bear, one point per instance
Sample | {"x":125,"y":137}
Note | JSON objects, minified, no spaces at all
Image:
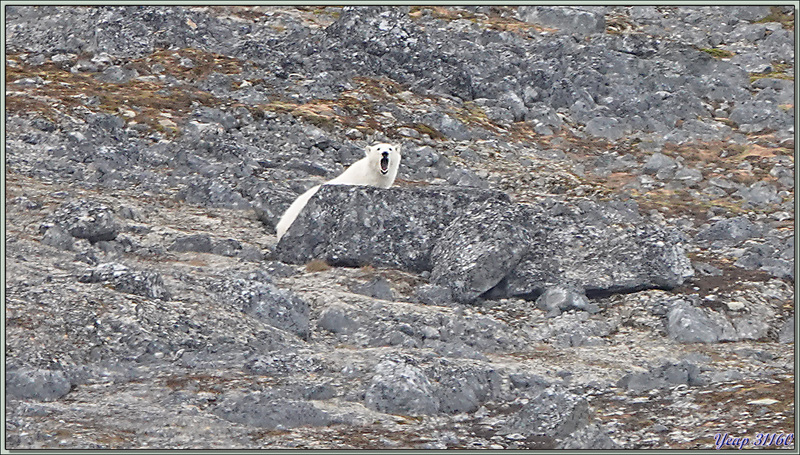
{"x":378,"y":168}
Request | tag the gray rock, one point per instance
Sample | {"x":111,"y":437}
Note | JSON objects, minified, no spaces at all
{"x":664,"y":376}
{"x":590,"y":437}
{"x":448,"y":126}
{"x":753,"y":326}
{"x":86,"y":219}
{"x":479,"y":248}
{"x":525,"y":380}
{"x":688,"y":176}
{"x":229,"y":248}
{"x":567,"y":19}
{"x":319,"y":392}
{"x":596,"y":255}
{"x":117,"y":75}
{"x":496,"y":246}
{"x":213,"y":194}
{"x":432,"y":294}
{"x":282,"y":363}
{"x":575,"y":329}
{"x":759,"y":115}
{"x":558,"y":299}
{"x":752,"y":63}
{"x":549,"y":414}
{"x":395,"y":227}
{"x":377,"y":287}
{"x":199,"y":243}
{"x":760,"y":194}
{"x":707,"y":269}
{"x":269,"y":411}
{"x":336,"y":319}
{"x":731,"y":230}
{"x":398,"y":387}
{"x":464,"y":388}
{"x":514,"y":104}
{"x":276,"y":307}
{"x":57,"y":237}
{"x":36,"y":384}
{"x":786,"y":333}
{"x":659,"y":164}
{"x":124,"y":279}
{"x":605,"y":127}
{"x":688,"y":324}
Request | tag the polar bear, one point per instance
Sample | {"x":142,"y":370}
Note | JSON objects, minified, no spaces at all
{"x":378,"y":168}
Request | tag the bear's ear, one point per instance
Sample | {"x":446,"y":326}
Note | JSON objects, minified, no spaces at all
{"x":369,"y":150}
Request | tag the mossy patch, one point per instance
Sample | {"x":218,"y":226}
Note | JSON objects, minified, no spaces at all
{"x":779,"y":71}
{"x":777,"y":15}
{"x":317,"y":265}
{"x":718,"y":53}
{"x":139,"y":100}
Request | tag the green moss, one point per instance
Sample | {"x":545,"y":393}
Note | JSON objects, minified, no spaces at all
{"x":429,"y":130}
{"x":718,"y":53}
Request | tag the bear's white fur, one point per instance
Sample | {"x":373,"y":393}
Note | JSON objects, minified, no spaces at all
{"x":378,"y":168}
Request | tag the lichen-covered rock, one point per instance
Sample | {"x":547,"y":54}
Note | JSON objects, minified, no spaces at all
{"x":731,"y":230}
{"x":56,"y":236}
{"x":558,"y":299}
{"x":399,"y":387}
{"x":271,"y":411}
{"x":357,"y":225}
{"x":601,"y":260}
{"x":666,"y":375}
{"x":276,"y":307}
{"x":377,"y":287}
{"x":479,"y":249}
{"x":432,"y":294}
{"x":464,"y":388}
{"x":337,"y":319}
{"x":37,"y":384}
{"x":508,"y":249}
{"x":569,"y":20}
{"x":549,"y":414}
{"x":592,"y":248}
{"x":690,"y":324}
{"x":87,"y":219}
{"x":124,"y":279}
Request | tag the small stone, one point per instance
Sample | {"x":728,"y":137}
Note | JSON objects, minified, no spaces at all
{"x":786,"y":333}
{"x":431,"y":294}
{"x":57,"y":237}
{"x":378,"y":288}
{"x":37,"y":384}
{"x":336,"y":319}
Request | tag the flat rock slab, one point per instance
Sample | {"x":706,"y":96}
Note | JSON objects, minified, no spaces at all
{"x":357,"y":225}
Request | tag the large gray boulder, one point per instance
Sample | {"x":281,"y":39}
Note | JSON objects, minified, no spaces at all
{"x":358,"y":225}
{"x":477,"y":243}
{"x":517,"y":250}
{"x":598,"y":257}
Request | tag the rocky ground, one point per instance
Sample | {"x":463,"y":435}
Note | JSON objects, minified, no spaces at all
{"x":638,"y":164}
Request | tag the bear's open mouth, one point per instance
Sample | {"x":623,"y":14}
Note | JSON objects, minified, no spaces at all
{"x":385,"y":163}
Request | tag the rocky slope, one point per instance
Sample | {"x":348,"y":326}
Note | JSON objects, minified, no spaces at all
{"x":590,"y":243}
